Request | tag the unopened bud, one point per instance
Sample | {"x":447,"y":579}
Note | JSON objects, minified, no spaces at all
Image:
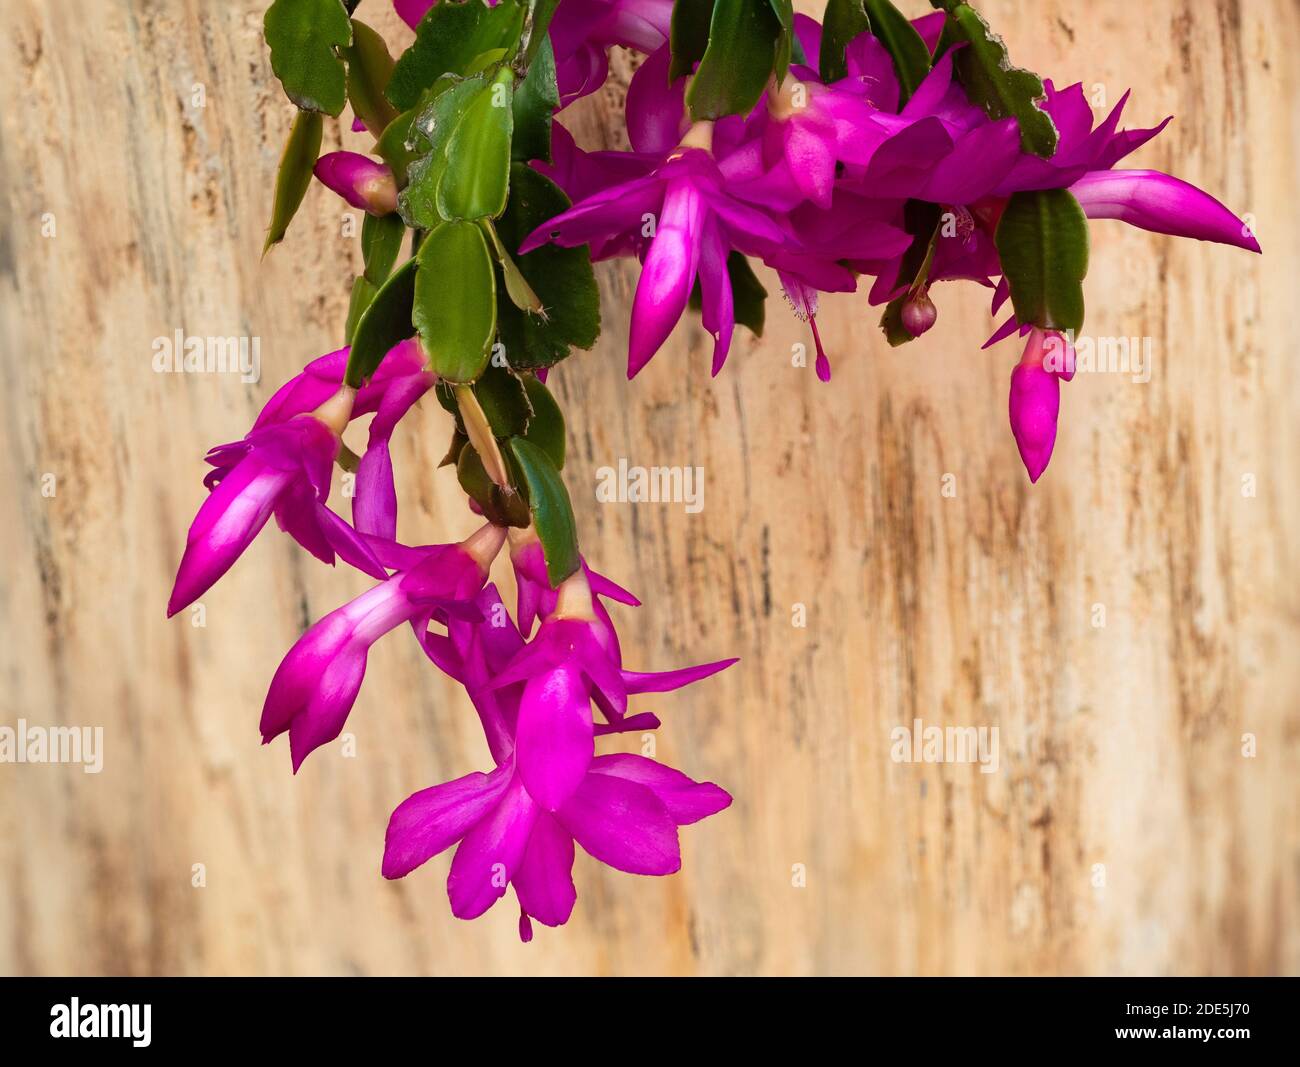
{"x":1034,"y":404}
{"x":919,"y":313}
{"x":361,"y":181}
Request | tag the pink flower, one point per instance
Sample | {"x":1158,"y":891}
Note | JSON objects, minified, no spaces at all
{"x":688,"y":224}
{"x":282,"y":469}
{"x":573,"y":660}
{"x":317,"y":683}
{"x":625,"y":812}
{"x":400,"y":380}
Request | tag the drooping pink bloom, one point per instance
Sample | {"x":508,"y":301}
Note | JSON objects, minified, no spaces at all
{"x":625,"y":812}
{"x":317,"y":683}
{"x":363,"y":182}
{"x":506,"y":835}
{"x":399,"y":381}
{"x":282,"y":469}
{"x":573,"y":659}
{"x":689,"y":223}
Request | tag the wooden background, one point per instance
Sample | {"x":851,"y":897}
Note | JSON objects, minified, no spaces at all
{"x":1120,"y":745}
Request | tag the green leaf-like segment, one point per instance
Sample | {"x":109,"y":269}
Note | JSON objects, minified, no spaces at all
{"x":505,"y":507}
{"x":843,"y":21}
{"x":562,"y":278}
{"x":985,"y":72}
{"x":385,"y":322}
{"x":546,"y":424}
{"x":369,"y":68}
{"x":747,"y":293}
{"x":363,"y":293}
{"x":1042,"y":240}
{"x":381,"y":240}
{"x":303,"y":36}
{"x":536,"y":100}
{"x":689,"y":35}
{"x":785,"y":40}
{"x":455,"y":307}
{"x":431,"y":132}
{"x":450,"y":39}
{"x":476,"y":174}
{"x":537,"y":22}
{"x":301,"y":149}
{"x":552,"y":511}
{"x":738,"y":61}
{"x":504,"y":401}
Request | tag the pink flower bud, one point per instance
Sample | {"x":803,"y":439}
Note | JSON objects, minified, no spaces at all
{"x":919,"y":313}
{"x":1034,"y":404}
{"x":361,"y":181}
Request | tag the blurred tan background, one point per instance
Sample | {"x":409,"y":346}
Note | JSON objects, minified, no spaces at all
{"x":1125,"y":831}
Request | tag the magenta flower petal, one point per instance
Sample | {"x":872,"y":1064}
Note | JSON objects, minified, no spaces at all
{"x":1012,"y":325}
{"x":749,"y":230}
{"x":623,"y":824}
{"x":655,"y":108}
{"x":717,"y":309}
{"x":374,"y":508}
{"x":1070,"y":112}
{"x":933,"y":88}
{"x":544,"y":880}
{"x":554,"y":739}
{"x":628,"y":724}
{"x":1126,"y":142}
{"x":434,"y":819}
{"x":1162,"y":204}
{"x":610,"y":691}
{"x":809,"y":147}
{"x":977,"y":164}
{"x":305,"y":392}
{"x":317,"y":682}
{"x":666,"y":681}
{"x":808,"y":32}
{"x":667,"y":274}
{"x":232,"y":515}
{"x":616,"y":209}
{"x":411,"y":11}
{"x":602,"y":586}
{"x":296,"y":515}
{"x":491,"y":853}
{"x":930,"y":27}
{"x":686,"y":801}
{"x":321,"y":721}
{"x":343,"y":541}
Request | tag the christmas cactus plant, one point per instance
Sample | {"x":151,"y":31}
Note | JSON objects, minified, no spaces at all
{"x":869,"y":150}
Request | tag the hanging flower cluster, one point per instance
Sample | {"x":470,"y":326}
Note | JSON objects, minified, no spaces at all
{"x":869,"y":149}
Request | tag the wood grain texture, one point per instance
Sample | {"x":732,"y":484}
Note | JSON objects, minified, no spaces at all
{"x":1120,"y":745}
